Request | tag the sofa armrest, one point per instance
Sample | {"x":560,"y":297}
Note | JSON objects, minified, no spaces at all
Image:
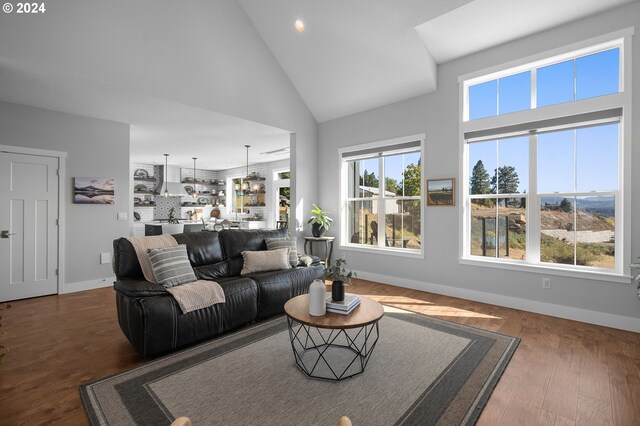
{"x":132,"y":287}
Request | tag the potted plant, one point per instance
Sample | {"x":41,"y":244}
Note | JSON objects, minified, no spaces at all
{"x":173,"y":225}
{"x":340,"y":276}
{"x":320,"y":221}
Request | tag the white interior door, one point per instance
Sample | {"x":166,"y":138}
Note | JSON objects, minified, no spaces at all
{"x":28,"y":226}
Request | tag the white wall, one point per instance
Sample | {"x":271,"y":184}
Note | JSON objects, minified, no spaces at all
{"x":436,"y":115}
{"x":201,"y":53}
{"x":95,"y":148}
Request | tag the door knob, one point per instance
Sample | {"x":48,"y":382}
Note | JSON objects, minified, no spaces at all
{"x":5,"y":234}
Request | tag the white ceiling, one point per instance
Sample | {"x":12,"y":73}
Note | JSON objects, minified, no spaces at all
{"x":481,"y":24}
{"x":353,"y":56}
{"x":158,"y":126}
{"x":361,"y":54}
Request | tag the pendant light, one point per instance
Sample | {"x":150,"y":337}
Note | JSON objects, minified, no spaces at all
{"x":245,"y":185}
{"x":194,"y":194}
{"x":166,"y":184}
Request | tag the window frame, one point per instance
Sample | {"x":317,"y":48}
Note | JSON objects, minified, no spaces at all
{"x":623,"y":100}
{"x":383,"y":145}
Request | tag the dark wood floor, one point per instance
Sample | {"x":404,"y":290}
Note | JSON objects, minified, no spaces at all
{"x":563,"y":373}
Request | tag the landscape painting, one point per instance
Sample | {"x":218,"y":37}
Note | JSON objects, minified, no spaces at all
{"x":93,"y":190}
{"x":441,"y":192}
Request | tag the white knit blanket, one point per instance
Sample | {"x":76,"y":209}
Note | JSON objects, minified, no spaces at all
{"x":197,"y":295}
{"x":142,"y":245}
{"x":191,"y":296}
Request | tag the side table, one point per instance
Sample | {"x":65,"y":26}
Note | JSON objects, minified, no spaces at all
{"x":328,"y":247}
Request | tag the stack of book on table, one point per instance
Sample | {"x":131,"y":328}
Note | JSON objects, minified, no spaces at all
{"x":344,"y":307}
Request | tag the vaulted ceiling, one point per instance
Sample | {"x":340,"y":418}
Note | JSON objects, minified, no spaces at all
{"x":360,"y":54}
{"x":353,"y":56}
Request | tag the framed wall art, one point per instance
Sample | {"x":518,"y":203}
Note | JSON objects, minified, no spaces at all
{"x":93,"y":190}
{"x":441,"y":192}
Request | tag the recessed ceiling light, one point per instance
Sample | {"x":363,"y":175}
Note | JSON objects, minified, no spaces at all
{"x":299,"y":26}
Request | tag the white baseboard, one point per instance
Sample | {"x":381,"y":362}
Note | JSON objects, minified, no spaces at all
{"x":87,"y":285}
{"x":560,"y":311}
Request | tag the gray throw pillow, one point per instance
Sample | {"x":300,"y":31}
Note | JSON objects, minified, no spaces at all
{"x":278,"y":243}
{"x":171,"y":266}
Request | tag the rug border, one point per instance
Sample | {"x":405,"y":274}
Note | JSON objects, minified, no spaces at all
{"x":497,"y":372}
{"x":470,"y":418}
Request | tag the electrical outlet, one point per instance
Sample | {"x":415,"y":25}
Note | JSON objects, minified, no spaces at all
{"x":123,"y":216}
{"x":105,"y":258}
{"x":546,"y":283}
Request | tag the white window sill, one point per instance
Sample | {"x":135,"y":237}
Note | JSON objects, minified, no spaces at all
{"x":416,"y":254}
{"x":547,"y":269}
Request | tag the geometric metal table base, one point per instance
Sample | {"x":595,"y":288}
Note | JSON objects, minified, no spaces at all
{"x":332,"y":354}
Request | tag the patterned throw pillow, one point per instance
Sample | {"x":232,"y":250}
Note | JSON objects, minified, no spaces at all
{"x":171,"y":266}
{"x":278,"y":243}
{"x":265,"y":260}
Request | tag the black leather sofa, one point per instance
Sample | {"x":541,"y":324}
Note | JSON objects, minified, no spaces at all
{"x":151,"y":319}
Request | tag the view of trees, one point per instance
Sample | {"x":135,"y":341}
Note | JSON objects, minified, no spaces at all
{"x":369,"y":179}
{"x":505,"y":180}
{"x":479,"y":181}
{"x":409,"y":187}
{"x":565,"y":206}
{"x":412,"y":180}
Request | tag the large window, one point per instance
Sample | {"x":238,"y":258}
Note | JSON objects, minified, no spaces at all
{"x":545,"y":187}
{"x":555,"y":82}
{"x":382,"y":202}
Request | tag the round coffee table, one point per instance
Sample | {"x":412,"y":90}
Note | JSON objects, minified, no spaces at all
{"x":333,"y":346}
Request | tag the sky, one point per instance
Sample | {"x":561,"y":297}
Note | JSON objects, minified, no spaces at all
{"x":580,"y":160}
{"x":592,"y":75}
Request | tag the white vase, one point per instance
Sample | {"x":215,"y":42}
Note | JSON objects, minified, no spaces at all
{"x":317,"y":296}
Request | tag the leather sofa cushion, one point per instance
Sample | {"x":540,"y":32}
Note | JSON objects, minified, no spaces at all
{"x":276,"y":287}
{"x":235,"y":241}
{"x":236,"y":285}
{"x":212,"y":272}
{"x":164,"y":329}
{"x":203,"y":248}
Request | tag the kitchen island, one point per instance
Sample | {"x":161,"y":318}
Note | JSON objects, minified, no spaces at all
{"x":158,"y":227}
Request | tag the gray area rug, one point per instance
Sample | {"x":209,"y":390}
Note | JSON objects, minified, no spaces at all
{"x":423,"y":371}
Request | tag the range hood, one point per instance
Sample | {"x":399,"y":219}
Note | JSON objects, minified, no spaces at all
{"x":172,"y":181}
